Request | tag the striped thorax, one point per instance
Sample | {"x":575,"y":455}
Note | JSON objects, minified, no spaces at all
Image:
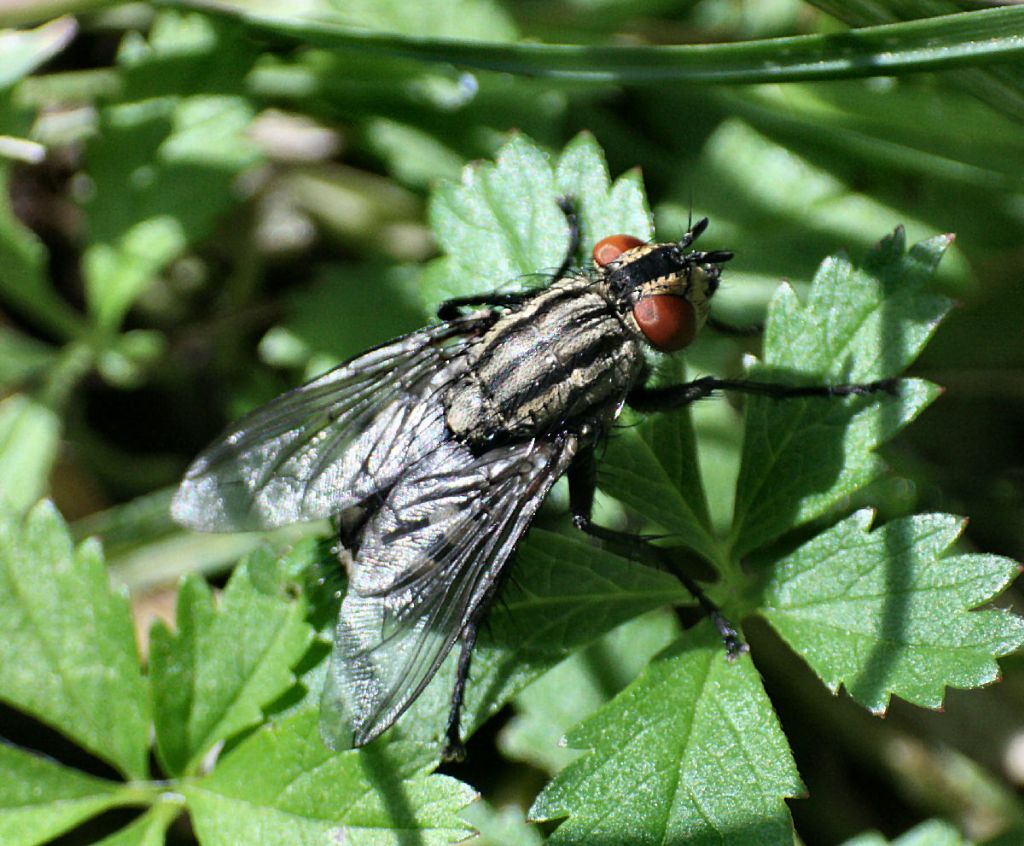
{"x":567,"y":353}
{"x":571,"y":353}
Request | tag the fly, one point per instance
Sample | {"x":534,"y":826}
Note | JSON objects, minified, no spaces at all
{"x":434,"y":451}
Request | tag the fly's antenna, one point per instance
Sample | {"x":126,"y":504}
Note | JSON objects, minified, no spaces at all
{"x":693,"y":233}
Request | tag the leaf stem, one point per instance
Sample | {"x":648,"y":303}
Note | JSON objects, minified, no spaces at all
{"x":946,"y":41}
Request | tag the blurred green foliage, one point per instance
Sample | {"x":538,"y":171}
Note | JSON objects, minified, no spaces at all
{"x":200,"y":207}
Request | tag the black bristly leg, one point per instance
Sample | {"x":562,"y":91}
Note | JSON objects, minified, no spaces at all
{"x":568,"y":207}
{"x":450,"y":309}
{"x":676,"y":396}
{"x":582,"y":483}
{"x":454,"y":749}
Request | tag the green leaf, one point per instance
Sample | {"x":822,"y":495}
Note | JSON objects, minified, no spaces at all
{"x":887,"y":612}
{"x":803,"y":457}
{"x":567,"y":591}
{"x":67,"y":647}
{"x":861,"y":324}
{"x":501,"y":227}
{"x":412,"y":155}
{"x":150,"y":829}
{"x":604,"y":208}
{"x":150,"y":163}
{"x":544,"y":714}
{"x":39,"y":798}
{"x":22,"y":51}
{"x":22,"y":357}
{"x":282,"y":785}
{"x":212,"y":677}
{"x":153,"y":157}
{"x":969,"y":38}
{"x":29,"y":437}
{"x":463,"y":19}
{"x":690,"y":752}
{"x":506,"y":826}
{"x":930,"y":833}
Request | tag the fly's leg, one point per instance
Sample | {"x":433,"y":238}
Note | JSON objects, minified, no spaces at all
{"x":451,"y":309}
{"x":676,"y":396}
{"x":454,"y":748}
{"x":582,"y":483}
{"x":568,"y":207}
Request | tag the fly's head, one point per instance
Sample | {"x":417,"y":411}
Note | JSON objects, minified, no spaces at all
{"x":664,"y":289}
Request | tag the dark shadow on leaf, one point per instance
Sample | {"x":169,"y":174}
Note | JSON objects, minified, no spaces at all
{"x":381,"y":773}
{"x":769,"y":829}
{"x":871,"y":683}
{"x":804,"y":438}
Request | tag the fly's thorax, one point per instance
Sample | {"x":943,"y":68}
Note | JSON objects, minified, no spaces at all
{"x":566,"y":355}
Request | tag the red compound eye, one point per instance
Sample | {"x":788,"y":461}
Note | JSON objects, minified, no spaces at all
{"x":608,"y":249}
{"x":668,"y":321}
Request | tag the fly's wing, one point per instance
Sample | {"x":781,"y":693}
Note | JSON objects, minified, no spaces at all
{"x":331,"y":443}
{"x":427,"y":559}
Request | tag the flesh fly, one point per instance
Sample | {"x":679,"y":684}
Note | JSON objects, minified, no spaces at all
{"x":434,"y":451}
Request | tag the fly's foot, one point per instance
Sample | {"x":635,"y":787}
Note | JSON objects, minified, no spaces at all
{"x":734,"y":645}
{"x":888,"y":386}
{"x":454,"y":751}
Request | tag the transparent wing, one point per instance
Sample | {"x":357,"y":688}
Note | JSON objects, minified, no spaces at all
{"x":331,"y":443}
{"x":428,"y":557}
